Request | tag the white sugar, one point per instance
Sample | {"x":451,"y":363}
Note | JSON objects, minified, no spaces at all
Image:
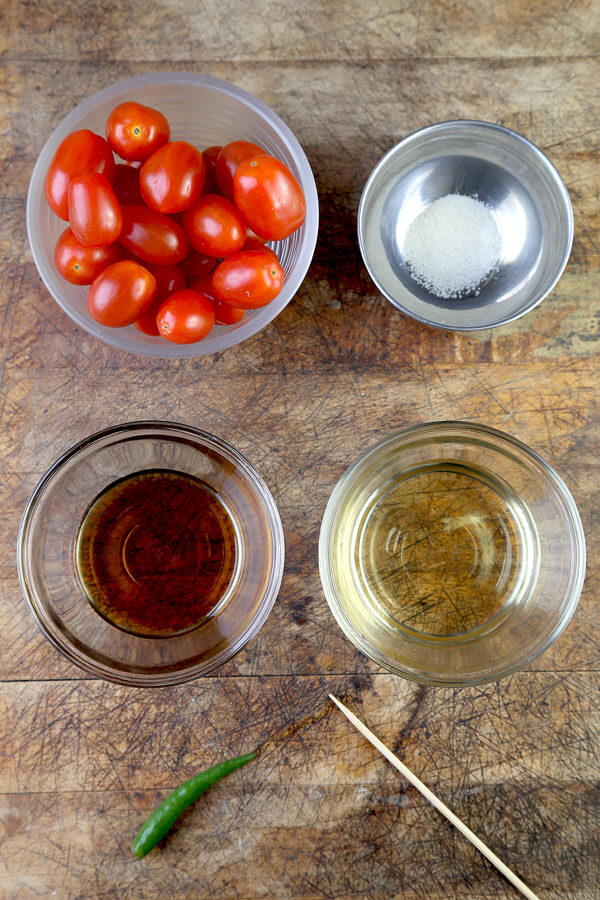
{"x":452,"y":246}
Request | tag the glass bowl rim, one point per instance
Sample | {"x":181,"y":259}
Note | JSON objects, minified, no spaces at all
{"x":273,"y":519}
{"x":458,"y":429}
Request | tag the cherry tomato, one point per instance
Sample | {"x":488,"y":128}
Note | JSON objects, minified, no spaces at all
{"x":185,"y":317}
{"x":173,"y":177}
{"x":79,"y":264}
{"x":214,"y":226}
{"x":254,"y":243}
{"x":210,"y":162}
{"x":204,"y":285}
{"x":251,"y":236}
{"x":146,"y":323}
{"x":268,"y":197}
{"x":229,"y":159}
{"x":224,"y":313}
{"x":168,"y":280}
{"x":196,"y":264}
{"x":94,"y":211}
{"x":151,"y":236}
{"x":80,"y":153}
{"x":249,"y":279}
{"x":135,"y":132}
{"x":121,"y":293}
{"x":127,"y":184}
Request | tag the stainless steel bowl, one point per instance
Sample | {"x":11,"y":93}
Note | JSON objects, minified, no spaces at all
{"x":528,"y":199}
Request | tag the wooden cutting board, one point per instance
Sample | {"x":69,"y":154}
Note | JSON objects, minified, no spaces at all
{"x":82,"y":762}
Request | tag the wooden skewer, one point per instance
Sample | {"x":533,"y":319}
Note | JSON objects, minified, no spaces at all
{"x":435,"y":801}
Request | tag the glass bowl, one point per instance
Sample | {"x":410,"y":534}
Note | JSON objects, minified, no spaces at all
{"x":203,"y":111}
{"x":47,"y":553}
{"x":529,"y":203}
{"x":451,"y":554}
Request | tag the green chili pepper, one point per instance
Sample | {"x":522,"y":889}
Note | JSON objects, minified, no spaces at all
{"x":164,"y":816}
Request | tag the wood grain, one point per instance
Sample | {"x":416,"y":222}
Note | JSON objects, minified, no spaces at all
{"x":280,"y":32}
{"x":318,"y":815}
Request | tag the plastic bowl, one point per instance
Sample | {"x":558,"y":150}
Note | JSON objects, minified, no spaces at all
{"x":451,"y":554}
{"x":46,"y":554}
{"x":203,"y":111}
{"x":527,"y":198}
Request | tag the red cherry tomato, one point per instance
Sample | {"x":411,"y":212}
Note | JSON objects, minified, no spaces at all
{"x":127,"y":184}
{"x":249,"y":279}
{"x":254,"y":243}
{"x":135,"y":131}
{"x":214,"y":226}
{"x":146,"y":323}
{"x":251,"y":236}
{"x":168,"y":280}
{"x":229,"y":159}
{"x":79,"y":264}
{"x":80,"y":153}
{"x":224,"y":313}
{"x":196,"y":264}
{"x":94,"y":211}
{"x":185,"y":317}
{"x":152,"y":237}
{"x":268,"y":197}
{"x":204,"y":286}
{"x":210,"y":162}
{"x":173,"y":177}
{"x":121,"y":293}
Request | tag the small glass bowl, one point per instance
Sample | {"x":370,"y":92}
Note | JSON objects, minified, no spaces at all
{"x":46,"y":553}
{"x":451,"y":554}
{"x":203,"y":111}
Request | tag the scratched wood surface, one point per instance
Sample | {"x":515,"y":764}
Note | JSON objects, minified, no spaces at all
{"x":319,"y":815}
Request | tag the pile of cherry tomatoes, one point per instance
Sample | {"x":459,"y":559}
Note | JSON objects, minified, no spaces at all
{"x":172,"y":239}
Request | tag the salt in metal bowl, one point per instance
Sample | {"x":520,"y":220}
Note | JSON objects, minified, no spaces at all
{"x":495,"y":165}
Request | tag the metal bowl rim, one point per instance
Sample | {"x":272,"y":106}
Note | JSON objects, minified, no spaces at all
{"x":426,"y":132}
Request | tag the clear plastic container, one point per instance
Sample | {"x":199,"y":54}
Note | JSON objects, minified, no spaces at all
{"x":203,"y":111}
